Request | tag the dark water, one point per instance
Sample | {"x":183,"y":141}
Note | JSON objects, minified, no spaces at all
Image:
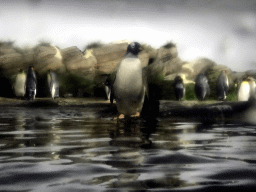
{"x":71,"y":150}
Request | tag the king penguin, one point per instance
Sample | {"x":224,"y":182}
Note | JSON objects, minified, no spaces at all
{"x":31,"y":84}
{"x":202,"y":88}
{"x":222,"y":85}
{"x":129,"y":87}
{"x":246,"y":89}
{"x":53,"y":83}
{"x":19,"y":85}
{"x":179,"y":88}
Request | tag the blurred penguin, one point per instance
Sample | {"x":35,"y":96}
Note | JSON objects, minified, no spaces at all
{"x":129,"y":85}
{"x":53,"y":83}
{"x":19,"y":85}
{"x":246,"y":89}
{"x":179,"y":88}
{"x":31,"y":84}
{"x":222,"y":85}
{"x":252,"y":84}
{"x":108,"y":88}
{"x":202,"y":88}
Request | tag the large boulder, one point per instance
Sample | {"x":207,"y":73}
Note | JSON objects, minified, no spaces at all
{"x":47,"y":56}
{"x":167,"y":61}
{"x":12,"y":59}
{"x":78,"y":63}
{"x":109,"y":56}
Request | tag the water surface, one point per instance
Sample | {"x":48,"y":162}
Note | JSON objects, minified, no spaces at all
{"x":64,"y":149}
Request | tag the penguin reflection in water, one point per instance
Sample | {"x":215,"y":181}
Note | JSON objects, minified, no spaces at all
{"x":19,"y":86}
{"x":129,"y":87}
{"x":31,"y":84}
{"x":179,"y":88}
{"x":222,"y":85}
{"x":53,"y":83}
{"x":202,"y":88}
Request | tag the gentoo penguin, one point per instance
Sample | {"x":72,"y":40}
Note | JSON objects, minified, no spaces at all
{"x":179,"y":88}
{"x":19,"y":85}
{"x":53,"y":83}
{"x":202,"y":88}
{"x":246,"y":89}
{"x":222,"y":85}
{"x":129,"y":87}
{"x":31,"y":84}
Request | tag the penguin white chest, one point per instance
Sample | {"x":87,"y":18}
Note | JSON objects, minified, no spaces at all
{"x":128,"y":87}
{"x":244,"y":91}
{"x":129,"y":78}
{"x":19,"y":85}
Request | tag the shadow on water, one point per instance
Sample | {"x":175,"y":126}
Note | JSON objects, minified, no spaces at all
{"x":56,"y":149}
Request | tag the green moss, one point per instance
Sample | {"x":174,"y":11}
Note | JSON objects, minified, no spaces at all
{"x":232,"y":94}
{"x":73,"y":84}
{"x":190,"y":92}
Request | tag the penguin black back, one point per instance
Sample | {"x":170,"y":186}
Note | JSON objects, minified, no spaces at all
{"x":31,"y":83}
{"x":179,"y":88}
{"x":222,"y":85}
{"x":202,"y":88}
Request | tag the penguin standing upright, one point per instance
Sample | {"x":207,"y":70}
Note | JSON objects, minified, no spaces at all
{"x":246,"y":89}
{"x":222,"y":85}
{"x":129,"y":87}
{"x":179,"y":88}
{"x":202,"y":88}
{"x":31,"y":84}
{"x":252,"y":85}
{"x":53,"y":83}
{"x":108,"y":88}
{"x":19,"y":85}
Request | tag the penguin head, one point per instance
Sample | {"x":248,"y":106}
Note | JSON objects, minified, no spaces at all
{"x":134,"y":48}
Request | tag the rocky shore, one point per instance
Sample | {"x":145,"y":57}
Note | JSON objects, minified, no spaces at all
{"x":207,"y":112}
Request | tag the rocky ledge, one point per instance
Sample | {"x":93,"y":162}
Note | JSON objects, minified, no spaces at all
{"x":207,"y":112}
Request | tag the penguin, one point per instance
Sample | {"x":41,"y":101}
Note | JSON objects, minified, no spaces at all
{"x":179,"y":88}
{"x":19,"y":85}
{"x":31,"y":84}
{"x":252,"y":85}
{"x":246,"y":89}
{"x":53,"y":83}
{"x":129,"y":87}
{"x":222,"y":85}
{"x":202,"y":88}
{"x":107,"y":86}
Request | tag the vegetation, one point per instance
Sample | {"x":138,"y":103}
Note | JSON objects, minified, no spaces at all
{"x":169,"y":45}
{"x":75,"y":84}
{"x":94,"y":45}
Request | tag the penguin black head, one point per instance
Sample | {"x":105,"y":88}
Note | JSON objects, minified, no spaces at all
{"x":134,"y":48}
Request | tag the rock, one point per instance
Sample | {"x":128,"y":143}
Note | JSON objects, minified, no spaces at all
{"x":46,"y":57}
{"x":109,"y":56}
{"x":78,"y":63}
{"x":12,"y":59}
{"x":193,"y":68}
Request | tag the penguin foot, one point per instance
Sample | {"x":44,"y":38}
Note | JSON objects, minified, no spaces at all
{"x":136,"y":115}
